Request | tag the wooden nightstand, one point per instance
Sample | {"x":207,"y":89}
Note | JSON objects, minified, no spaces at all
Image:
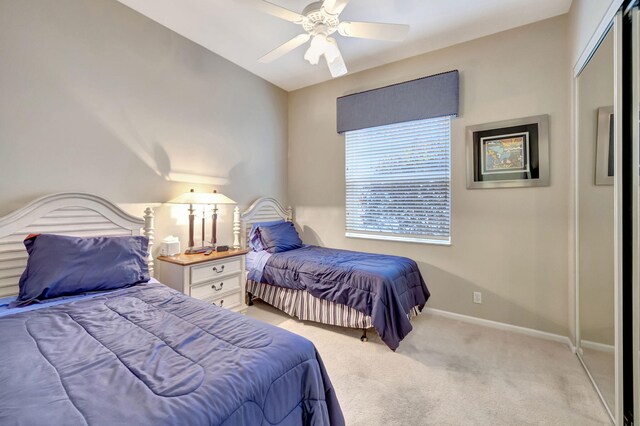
{"x":217,"y":278}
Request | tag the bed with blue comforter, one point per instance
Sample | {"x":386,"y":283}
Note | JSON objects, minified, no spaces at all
{"x":148,"y":355}
{"x":384,"y":287}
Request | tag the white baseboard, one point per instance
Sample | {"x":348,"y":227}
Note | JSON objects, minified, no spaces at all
{"x":504,"y":326}
{"x":601,"y":347}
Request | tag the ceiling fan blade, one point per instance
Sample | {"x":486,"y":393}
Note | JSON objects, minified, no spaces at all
{"x":337,"y":67}
{"x":285,"y":48}
{"x":334,"y":7}
{"x":275,"y":10}
{"x":374,"y":30}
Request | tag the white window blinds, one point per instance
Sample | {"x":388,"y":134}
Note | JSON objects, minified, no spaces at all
{"x":398,"y":181}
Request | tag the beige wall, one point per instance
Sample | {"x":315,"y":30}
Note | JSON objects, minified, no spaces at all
{"x":510,"y":244}
{"x":97,"y":98}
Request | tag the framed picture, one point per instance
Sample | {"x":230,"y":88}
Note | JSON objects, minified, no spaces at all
{"x":604,"y":147}
{"x":508,"y":154}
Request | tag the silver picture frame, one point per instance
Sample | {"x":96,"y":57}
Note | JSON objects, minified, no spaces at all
{"x":604,"y":147}
{"x":532,"y":166}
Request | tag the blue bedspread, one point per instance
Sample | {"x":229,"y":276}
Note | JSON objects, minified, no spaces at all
{"x":148,"y":355}
{"x":381,"y":286}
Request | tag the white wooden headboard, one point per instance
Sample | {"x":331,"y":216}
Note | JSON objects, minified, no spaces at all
{"x":262,"y":210}
{"x":74,"y":214}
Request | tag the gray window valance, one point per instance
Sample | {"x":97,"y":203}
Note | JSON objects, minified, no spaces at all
{"x":427,"y":97}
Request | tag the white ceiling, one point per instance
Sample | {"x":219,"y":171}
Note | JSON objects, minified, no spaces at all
{"x":242,"y":34}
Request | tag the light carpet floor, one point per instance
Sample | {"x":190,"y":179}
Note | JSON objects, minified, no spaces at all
{"x":447,"y":372}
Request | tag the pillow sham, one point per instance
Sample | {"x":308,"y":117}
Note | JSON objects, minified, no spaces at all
{"x":255,"y":241}
{"x":60,"y":265}
{"x":280,"y":237}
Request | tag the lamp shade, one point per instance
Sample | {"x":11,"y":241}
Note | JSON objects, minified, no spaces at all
{"x":193,"y":197}
{"x":217,"y":198}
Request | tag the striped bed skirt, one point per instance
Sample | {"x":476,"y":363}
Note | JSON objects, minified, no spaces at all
{"x":302,"y":305}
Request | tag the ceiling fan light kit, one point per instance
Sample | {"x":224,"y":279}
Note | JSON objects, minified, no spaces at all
{"x":320,"y":19}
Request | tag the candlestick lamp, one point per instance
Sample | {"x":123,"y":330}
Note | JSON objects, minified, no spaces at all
{"x":202,"y":198}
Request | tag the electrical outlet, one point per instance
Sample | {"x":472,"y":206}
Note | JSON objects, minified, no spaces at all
{"x":477,"y":297}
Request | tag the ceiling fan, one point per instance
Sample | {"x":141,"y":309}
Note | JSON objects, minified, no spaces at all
{"x":320,"y":19}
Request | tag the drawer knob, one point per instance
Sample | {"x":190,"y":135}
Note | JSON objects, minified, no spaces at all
{"x":215,"y":269}
{"x":213,"y":286}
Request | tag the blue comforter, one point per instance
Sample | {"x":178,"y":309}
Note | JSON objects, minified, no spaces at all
{"x":147,"y":355}
{"x":381,"y":286}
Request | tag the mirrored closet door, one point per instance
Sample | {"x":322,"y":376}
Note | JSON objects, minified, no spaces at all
{"x":596,"y":218}
{"x":607,"y":127}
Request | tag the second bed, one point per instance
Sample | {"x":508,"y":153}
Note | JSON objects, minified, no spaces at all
{"x":336,"y":287}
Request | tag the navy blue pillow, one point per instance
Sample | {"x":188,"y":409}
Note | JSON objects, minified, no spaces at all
{"x":59,"y":265}
{"x":280,"y":237}
{"x":255,"y":241}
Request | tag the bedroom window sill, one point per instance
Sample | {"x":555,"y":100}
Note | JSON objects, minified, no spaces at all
{"x":434,"y":241}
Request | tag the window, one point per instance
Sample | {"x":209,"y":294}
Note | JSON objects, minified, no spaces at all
{"x":398,"y":181}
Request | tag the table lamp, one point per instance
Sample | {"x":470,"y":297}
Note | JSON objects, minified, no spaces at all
{"x":204,"y":198}
{"x":216,"y":198}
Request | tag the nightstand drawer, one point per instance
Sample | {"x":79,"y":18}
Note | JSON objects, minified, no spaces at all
{"x":217,"y":278}
{"x":208,"y":272}
{"x":215,"y":289}
{"x":229,"y":301}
